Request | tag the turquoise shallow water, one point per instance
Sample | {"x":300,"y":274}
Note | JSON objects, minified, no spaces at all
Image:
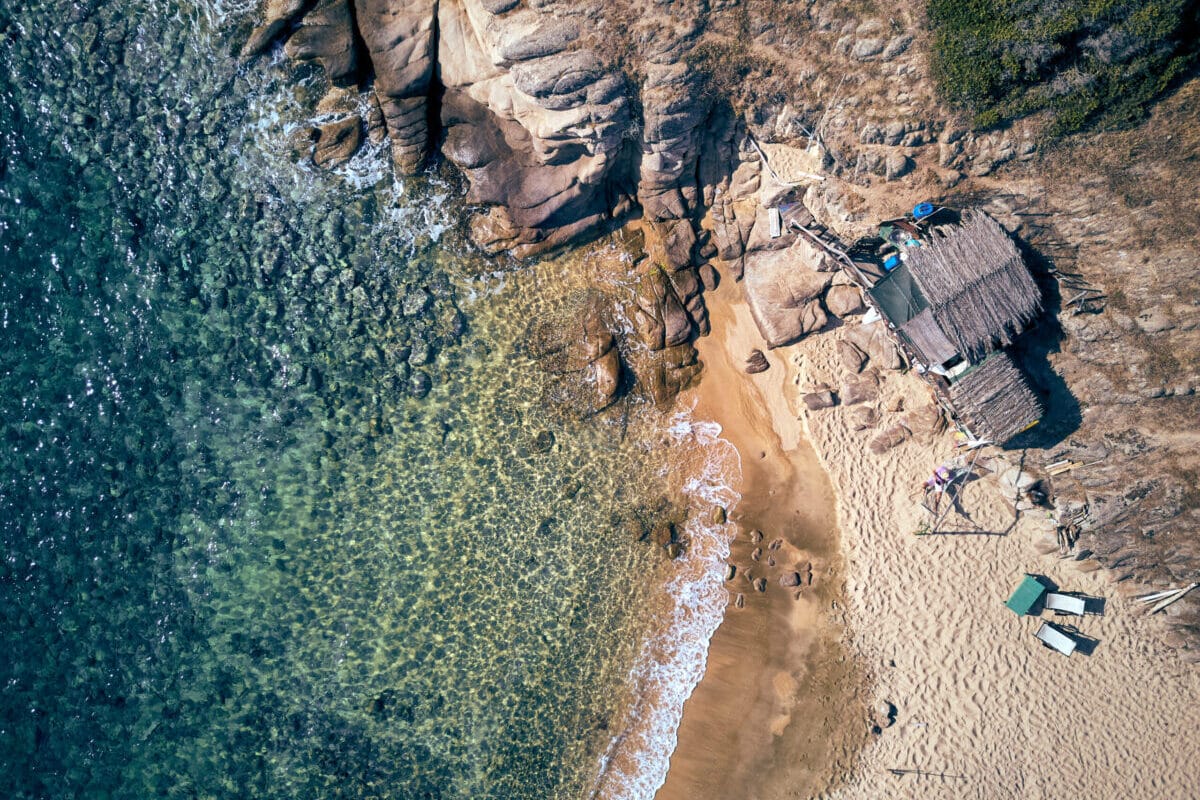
{"x":244,"y":554}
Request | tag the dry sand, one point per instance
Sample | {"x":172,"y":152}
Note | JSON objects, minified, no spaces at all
{"x":982,"y":709}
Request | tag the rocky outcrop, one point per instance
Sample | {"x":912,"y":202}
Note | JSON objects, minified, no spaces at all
{"x":671,"y":139}
{"x":398,"y":38}
{"x":532,"y":108}
{"x":536,"y":122}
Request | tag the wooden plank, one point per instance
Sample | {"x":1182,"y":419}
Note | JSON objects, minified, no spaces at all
{"x":1150,"y":598}
{"x":1175,"y":598}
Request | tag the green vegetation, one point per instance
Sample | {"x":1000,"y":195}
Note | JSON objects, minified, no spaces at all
{"x":1091,"y":63}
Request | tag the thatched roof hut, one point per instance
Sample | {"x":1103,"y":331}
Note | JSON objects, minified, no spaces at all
{"x":979,"y":291}
{"x":993,"y":399}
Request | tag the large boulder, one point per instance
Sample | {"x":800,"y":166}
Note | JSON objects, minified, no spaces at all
{"x":844,"y":300}
{"x":877,"y":343}
{"x":326,"y":35}
{"x":784,"y":298}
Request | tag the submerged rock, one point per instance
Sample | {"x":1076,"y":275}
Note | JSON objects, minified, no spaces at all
{"x":543,"y":441}
{"x":419,"y":384}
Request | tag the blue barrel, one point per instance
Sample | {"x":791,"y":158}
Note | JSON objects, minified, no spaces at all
{"x":922,"y":210}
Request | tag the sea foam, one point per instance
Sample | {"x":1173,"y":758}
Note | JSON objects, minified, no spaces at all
{"x":672,"y":660}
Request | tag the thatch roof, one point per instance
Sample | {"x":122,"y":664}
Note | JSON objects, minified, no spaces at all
{"x":994,"y":401}
{"x":978,"y":287}
{"x":928,"y":339}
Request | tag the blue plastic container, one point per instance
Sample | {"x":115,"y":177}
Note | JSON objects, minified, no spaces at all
{"x":922,"y":210}
{"x":891,"y":262}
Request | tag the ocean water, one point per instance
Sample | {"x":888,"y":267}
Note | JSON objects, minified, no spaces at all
{"x":287,"y":508}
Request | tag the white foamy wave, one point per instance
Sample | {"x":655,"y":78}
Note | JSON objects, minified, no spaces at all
{"x":672,"y":661}
{"x":218,"y":12}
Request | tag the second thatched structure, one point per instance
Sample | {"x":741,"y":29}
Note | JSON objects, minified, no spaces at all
{"x":994,"y":400}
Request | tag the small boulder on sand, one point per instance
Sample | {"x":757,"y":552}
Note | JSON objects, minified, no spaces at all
{"x":875,"y":341}
{"x":926,"y":422}
{"x":888,"y":439}
{"x":815,"y":401}
{"x":862,"y":389}
{"x":884,"y":714}
{"x":863,"y":417}
{"x":852,"y":358}
{"x":756,"y":362}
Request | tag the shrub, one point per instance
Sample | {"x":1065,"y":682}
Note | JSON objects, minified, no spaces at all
{"x":1090,"y":63}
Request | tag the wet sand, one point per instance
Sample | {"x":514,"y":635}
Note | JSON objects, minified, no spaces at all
{"x":777,"y":713}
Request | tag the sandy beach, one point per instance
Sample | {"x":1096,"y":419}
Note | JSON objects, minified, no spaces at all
{"x":767,"y":720}
{"x":907,"y":626}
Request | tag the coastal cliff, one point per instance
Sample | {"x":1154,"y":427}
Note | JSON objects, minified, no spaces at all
{"x":684,"y":122}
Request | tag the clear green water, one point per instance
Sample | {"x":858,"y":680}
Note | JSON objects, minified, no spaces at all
{"x":241,"y":559}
